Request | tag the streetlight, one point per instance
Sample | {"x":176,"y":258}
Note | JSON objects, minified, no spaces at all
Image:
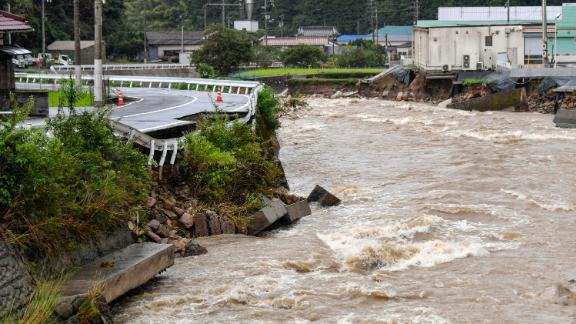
{"x":556,"y":39}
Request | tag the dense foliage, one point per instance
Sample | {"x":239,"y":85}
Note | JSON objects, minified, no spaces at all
{"x":61,"y":189}
{"x":303,"y":56}
{"x":224,"y":48}
{"x":268,"y":105}
{"x":228,"y":164}
{"x":361,"y":54}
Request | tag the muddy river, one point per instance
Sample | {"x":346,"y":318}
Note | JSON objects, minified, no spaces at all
{"x":447,"y":217}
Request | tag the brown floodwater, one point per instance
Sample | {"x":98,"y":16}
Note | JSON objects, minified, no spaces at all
{"x":447,"y":217}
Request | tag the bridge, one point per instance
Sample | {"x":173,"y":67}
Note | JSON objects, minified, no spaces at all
{"x":162,"y":105}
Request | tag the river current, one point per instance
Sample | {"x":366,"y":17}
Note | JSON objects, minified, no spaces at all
{"x":447,"y":217}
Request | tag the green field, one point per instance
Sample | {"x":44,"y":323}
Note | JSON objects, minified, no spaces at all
{"x":304,"y":71}
{"x":86,"y":99}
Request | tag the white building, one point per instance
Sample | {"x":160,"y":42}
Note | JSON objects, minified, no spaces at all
{"x":445,"y":46}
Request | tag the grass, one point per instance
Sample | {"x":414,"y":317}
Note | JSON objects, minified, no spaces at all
{"x":304,"y":71}
{"x":319,"y":81}
{"x":85,"y":99}
{"x":41,"y":307}
{"x":473,"y":82}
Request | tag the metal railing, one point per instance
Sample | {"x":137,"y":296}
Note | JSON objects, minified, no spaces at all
{"x":122,"y":67}
{"x":196,"y":84}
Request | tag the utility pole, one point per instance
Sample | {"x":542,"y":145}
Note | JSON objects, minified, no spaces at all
{"x":544,"y":34}
{"x":98,"y":89}
{"x":43,"y":26}
{"x":508,"y":11}
{"x":416,"y":12}
{"x":77,"y":50}
{"x":223,"y":13}
{"x":9,"y":34}
{"x":372,"y":21}
{"x":265,"y":22}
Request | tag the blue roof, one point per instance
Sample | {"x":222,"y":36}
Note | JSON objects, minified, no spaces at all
{"x":351,"y":38}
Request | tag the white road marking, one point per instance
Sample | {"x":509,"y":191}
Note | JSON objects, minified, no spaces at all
{"x":161,"y":110}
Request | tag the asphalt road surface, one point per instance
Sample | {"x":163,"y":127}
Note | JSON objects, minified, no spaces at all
{"x":158,"y":109}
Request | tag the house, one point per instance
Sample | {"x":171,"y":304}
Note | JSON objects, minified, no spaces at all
{"x":282,"y":43}
{"x":445,"y":46}
{"x":66,"y":47}
{"x":562,"y":45}
{"x":9,"y":23}
{"x":317,"y":31}
{"x":396,"y":39}
{"x":167,"y":44}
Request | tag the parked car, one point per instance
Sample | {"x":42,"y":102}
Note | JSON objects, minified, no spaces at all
{"x":21,"y":57}
{"x":64,"y":60}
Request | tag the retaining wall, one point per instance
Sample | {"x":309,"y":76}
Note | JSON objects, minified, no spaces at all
{"x":15,"y":283}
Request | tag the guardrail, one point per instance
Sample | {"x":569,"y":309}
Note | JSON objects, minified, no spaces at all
{"x":173,"y":144}
{"x":227,"y":86}
{"x":121,"y":67}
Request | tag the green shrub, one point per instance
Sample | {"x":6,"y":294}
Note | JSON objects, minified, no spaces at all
{"x":207,"y":71}
{"x":226,"y":163}
{"x":473,"y":82}
{"x":268,"y":106}
{"x":303,"y":56}
{"x":61,"y":189}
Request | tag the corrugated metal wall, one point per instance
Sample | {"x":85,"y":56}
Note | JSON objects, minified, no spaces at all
{"x":496,"y":13}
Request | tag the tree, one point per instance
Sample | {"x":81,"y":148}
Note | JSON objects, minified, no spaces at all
{"x":361,"y":53}
{"x":224,"y":48}
{"x":264,"y":56}
{"x":303,"y":56}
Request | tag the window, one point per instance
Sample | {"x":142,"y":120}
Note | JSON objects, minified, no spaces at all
{"x":488,"y":41}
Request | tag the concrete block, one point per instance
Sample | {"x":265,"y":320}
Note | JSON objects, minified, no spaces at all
{"x":516,"y":99}
{"x":266,"y":216}
{"x":323,"y":197}
{"x":565,"y":118}
{"x":296,"y":211}
{"x":120,"y":272}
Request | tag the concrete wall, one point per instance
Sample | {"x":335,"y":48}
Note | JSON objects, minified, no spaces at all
{"x":15,"y":285}
{"x":439,"y":46}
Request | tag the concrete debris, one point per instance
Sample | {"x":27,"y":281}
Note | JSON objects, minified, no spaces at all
{"x":565,"y":118}
{"x":296,"y":211}
{"x":323,"y":197}
{"x":561,"y":294}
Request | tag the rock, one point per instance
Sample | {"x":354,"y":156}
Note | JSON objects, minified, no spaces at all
{"x":173,"y":234}
{"x":192,"y":248}
{"x":179,"y":244}
{"x":179,"y":211}
{"x":201,"y":225}
{"x":187,"y":220}
{"x":336,"y":95}
{"x":445,"y":103}
{"x":169,"y":202}
{"x":323,"y":197}
{"x":150,"y":202}
{"x":385,"y":93}
{"x":266,"y":216}
{"x":182,"y":191}
{"x":163,"y":230}
{"x":349,"y":94}
{"x":154,"y":224}
{"x":170,"y":214}
{"x":153,"y":236}
{"x":228,"y":226}
{"x":214,"y":223}
{"x":399,"y":96}
{"x":159,"y":216}
{"x":297,"y":211}
{"x":561,"y":294}
{"x":190,"y":204}
{"x":64,"y":310}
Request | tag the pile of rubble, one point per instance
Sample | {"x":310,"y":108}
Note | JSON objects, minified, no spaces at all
{"x":176,"y":218}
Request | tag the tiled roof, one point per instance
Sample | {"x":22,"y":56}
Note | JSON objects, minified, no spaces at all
{"x":11,"y":23}
{"x":174,"y":38}
{"x":69,"y":45}
{"x":295,"y":41}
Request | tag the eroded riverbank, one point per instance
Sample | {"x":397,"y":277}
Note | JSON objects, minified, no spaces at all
{"x":447,"y":216}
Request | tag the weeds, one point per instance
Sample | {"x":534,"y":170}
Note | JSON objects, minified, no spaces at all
{"x":474,"y":82}
{"x":268,"y":106}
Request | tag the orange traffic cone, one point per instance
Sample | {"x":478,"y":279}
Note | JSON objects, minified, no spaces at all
{"x":219,"y":95}
{"x":120,"y":98}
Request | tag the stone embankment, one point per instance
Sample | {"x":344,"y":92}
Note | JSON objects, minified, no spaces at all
{"x":15,"y":282}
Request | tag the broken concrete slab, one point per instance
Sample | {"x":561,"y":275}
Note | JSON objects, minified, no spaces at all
{"x":266,"y":216}
{"x":515,"y":99}
{"x":565,"y":118}
{"x":323,"y":197}
{"x":119,"y":272}
{"x":296,"y":211}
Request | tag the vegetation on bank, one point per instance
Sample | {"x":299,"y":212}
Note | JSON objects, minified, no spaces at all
{"x":66,"y":186}
{"x":308,"y":72}
{"x":84,"y":99}
{"x":480,"y":82}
